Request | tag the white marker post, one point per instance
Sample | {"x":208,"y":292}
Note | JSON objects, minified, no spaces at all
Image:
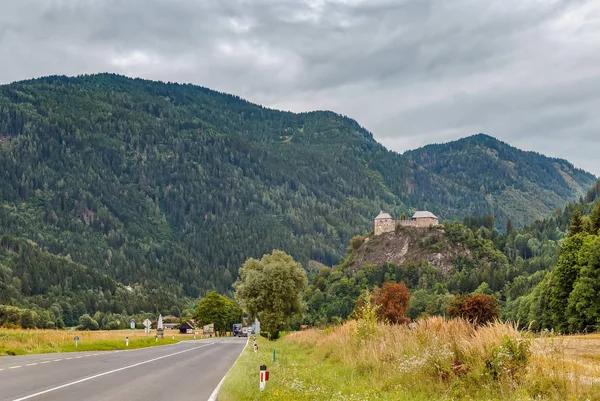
{"x":147,"y":324}
{"x":76,"y":341}
{"x":255,"y":347}
{"x":127,"y":341}
{"x":264,"y":376}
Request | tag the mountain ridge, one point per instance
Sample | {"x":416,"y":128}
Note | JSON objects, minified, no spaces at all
{"x":174,"y":185}
{"x":528,"y":179}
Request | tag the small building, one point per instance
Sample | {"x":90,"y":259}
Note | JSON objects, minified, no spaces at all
{"x":425,"y":219}
{"x":187,"y":327}
{"x":384,"y":223}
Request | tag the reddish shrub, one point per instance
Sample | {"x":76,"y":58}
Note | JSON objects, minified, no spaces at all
{"x":477,"y":308}
{"x":392,"y":302}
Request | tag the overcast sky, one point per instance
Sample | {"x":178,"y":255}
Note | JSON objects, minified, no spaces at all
{"x":411,"y":71}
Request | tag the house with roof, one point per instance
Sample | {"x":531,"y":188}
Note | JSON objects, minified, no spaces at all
{"x":187,"y":327}
{"x":384,"y":223}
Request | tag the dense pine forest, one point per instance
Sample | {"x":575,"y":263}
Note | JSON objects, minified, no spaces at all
{"x":108,"y":181}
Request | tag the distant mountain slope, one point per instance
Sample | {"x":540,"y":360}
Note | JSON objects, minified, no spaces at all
{"x":173,"y":186}
{"x":503,"y":180}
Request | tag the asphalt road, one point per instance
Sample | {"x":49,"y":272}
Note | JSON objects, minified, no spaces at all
{"x":189,"y":370}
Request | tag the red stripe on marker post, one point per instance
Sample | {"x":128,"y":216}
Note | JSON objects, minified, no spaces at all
{"x":263,"y":377}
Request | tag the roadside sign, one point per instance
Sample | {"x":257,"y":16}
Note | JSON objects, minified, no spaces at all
{"x":147,"y":324}
{"x":132,"y":324}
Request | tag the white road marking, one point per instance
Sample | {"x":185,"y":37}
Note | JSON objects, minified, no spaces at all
{"x":31,"y":364}
{"x":89,"y":355}
{"x":95,"y":354}
{"x":1,"y":369}
{"x":68,"y":358}
{"x":46,"y":362}
{"x":56,"y":360}
{"x":77,"y":357}
{"x":15,"y":367}
{"x":107,"y":373}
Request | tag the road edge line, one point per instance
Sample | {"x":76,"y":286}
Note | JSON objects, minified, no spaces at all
{"x":215,"y":393}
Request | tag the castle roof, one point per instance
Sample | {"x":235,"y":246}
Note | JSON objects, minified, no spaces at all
{"x":424,"y":215}
{"x":383,"y":216}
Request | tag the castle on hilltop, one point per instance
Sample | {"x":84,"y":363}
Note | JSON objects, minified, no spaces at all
{"x":385,"y":224}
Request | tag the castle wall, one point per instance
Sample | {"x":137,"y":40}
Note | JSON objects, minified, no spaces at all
{"x":408,"y":223}
{"x":384,"y":226}
{"x":422,"y":222}
{"x":389,"y":225}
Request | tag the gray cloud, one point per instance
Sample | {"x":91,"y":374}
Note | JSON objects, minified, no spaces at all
{"x":412,"y":71}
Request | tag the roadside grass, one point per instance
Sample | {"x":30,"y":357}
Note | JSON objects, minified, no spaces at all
{"x":436,"y":360}
{"x":23,"y":342}
{"x":298,"y":374}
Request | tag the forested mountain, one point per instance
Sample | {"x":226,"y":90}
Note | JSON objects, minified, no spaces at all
{"x":53,"y":291}
{"x":504,"y":181}
{"x":173,"y":186}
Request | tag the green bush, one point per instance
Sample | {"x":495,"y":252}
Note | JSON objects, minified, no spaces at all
{"x":366,"y":317}
{"x":113,"y":325}
{"x":509,"y":359}
{"x":356,"y":241}
{"x":87,"y":323}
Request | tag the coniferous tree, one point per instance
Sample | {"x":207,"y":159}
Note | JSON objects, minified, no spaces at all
{"x":595,"y":219}
{"x":576,"y":223}
{"x":584,"y":302}
{"x":509,"y":226}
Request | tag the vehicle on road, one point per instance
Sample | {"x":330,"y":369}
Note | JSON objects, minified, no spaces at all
{"x":237,"y":329}
{"x":245,"y":332}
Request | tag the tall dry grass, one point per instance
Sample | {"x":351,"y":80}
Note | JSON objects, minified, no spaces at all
{"x":452,"y":359}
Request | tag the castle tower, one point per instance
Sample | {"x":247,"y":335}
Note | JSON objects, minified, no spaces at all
{"x":384,"y":223}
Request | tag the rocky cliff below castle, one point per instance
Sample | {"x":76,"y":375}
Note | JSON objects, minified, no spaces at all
{"x":448,"y":253}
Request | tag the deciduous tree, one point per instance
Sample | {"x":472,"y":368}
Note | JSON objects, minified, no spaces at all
{"x":270,"y":289}
{"x":218,"y":309}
